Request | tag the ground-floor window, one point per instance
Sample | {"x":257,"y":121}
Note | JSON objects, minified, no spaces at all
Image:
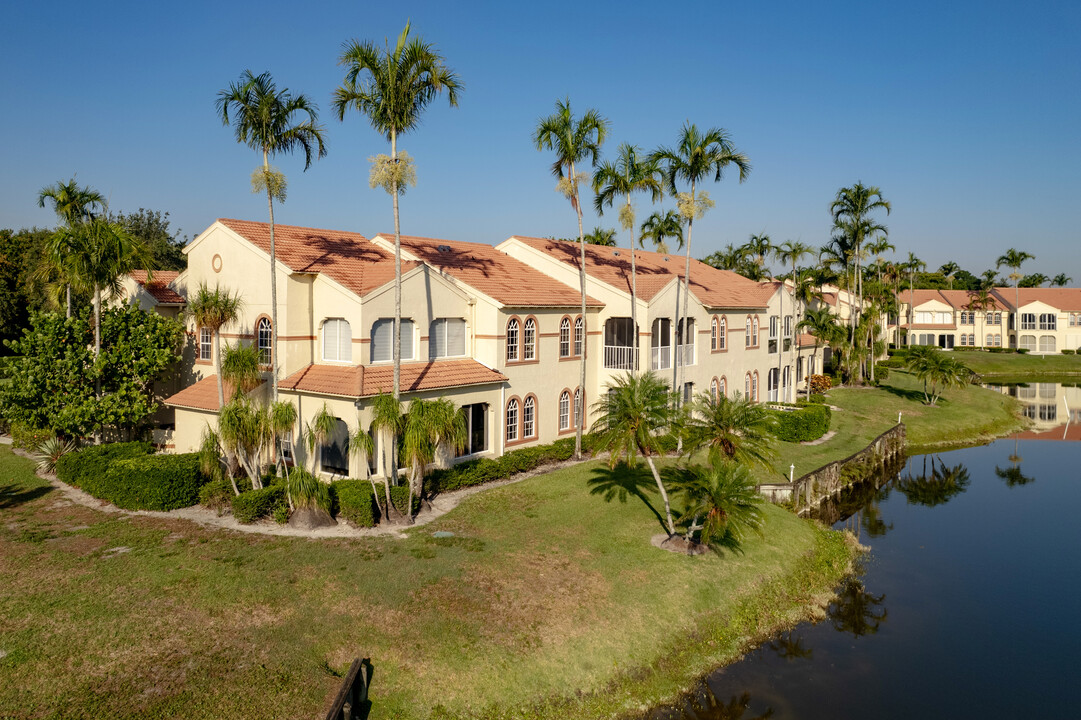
{"x":334,"y":453}
{"x":476,"y":428}
{"x":1047,"y":343}
{"x":1028,"y":342}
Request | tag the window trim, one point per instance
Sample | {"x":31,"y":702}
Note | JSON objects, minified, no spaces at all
{"x":259,"y":348}
{"x":209,"y":359}
{"x":565,"y":325}
{"x":529,"y":403}
{"x":517,"y":344}
{"x":536,"y":338}
{"x":516,"y":402}
{"x":579,"y":345}
{"x":412,"y":341}
{"x":564,"y":394}
{"x":323,"y":342}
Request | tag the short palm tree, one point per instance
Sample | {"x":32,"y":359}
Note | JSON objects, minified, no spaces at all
{"x":1061,"y":280}
{"x":936,"y":370}
{"x":736,"y":429}
{"x":660,"y":226}
{"x":214,"y":309}
{"x":264,"y":119}
{"x":392,"y":87}
{"x":633,"y":407}
{"x":695,"y":157}
{"x":387,"y":423}
{"x":823,"y":326}
{"x":722,"y":503}
{"x":949,"y":269}
{"x":1014,"y":259}
{"x":629,"y":173}
{"x":240,"y":368}
{"x":1033,"y":280}
{"x":246,"y":433}
{"x":575,"y":141}
{"x":757,"y":249}
{"x":73,"y":205}
{"x":428,"y":426}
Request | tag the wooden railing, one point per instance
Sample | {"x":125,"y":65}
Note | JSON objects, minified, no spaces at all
{"x":352,"y":698}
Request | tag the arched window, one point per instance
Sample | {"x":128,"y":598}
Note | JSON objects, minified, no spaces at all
{"x":722,"y":336}
{"x":565,"y":410}
{"x":565,"y":337}
{"x":754,"y":332}
{"x":722,"y":388}
{"x":512,"y":420}
{"x":529,"y":417}
{"x":747,"y":333}
{"x":754,"y":386}
{"x":1047,"y":343}
{"x":337,"y":340}
{"x":714,"y":334}
{"x":714,"y":388}
{"x":263,"y":339}
{"x":579,"y":336}
{"x":529,"y":340}
{"x":747,"y":385}
{"x":512,"y":340}
{"x":578,"y":408}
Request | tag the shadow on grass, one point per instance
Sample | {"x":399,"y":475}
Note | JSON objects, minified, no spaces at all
{"x":14,"y":495}
{"x":905,"y":394}
{"x":622,"y":482}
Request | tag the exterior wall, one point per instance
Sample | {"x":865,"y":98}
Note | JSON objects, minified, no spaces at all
{"x":1063,"y":336}
{"x":188,"y":433}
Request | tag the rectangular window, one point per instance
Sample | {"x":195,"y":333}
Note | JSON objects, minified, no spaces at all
{"x":1028,"y":321}
{"x":788,"y":326}
{"x":476,"y":433}
{"x":337,"y":341}
{"x":772,"y":326}
{"x":334,"y":453}
{"x":446,"y":338}
{"x":383,"y":340}
{"x":1048,"y":321}
{"x":206,"y":344}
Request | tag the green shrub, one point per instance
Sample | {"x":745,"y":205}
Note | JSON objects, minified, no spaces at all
{"x":1068,"y":352}
{"x":27,"y":438}
{"x":355,"y":502}
{"x":882,"y":371}
{"x":802,"y":424}
{"x":217,"y":495}
{"x":814,"y":400}
{"x":149,"y":482}
{"x":819,"y":383}
{"x":255,"y":504}
{"x":1022,"y":351}
{"x":87,"y":465}
{"x":400,"y":496}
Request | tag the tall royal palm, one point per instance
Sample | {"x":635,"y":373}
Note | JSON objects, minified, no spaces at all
{"x":851,"y":210}
{"x":266,"y":120}
{"x":695,"y":158}
{"x":913,"y":266}
{"x":392,"y":87}
{"x":1014,"y":259}
{"x":628,"y":174}
{"x":790,"y":252}
{"x":660,"y":226}
{"x":73,"y":205}
{"x":574,"y":140}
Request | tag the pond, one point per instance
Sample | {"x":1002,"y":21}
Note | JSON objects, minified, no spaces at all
{"x":965,"y":605}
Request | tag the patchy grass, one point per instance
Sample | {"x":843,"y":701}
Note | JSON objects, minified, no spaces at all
{"x":549,"y":601}
{"x":1029,"y":366}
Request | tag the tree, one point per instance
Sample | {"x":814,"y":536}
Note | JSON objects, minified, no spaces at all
{"x":757,"y":249}
{"x":429,"y":425}
{"x":823,"y":326}
{"x":695,"y":157}
{"x":624,"y":177}
{"x":628,"y":413}
{"x":264,"y":119}
{"x":790,"y":252}
{"x":151,"y":228}
{"x":735,"y":429}
{"x":54,"y":377}
{"x":1014,"y":259}
{"x":1033,"y":280}
{"x":246,"y":433}
{"x":74,"y":205}
{"x":658,"y":227}
{"x":1061,"y":280}
{"x":605,"y":237}
{"x":214,"y":309}
{"x":730,"y":258}
{"x":936,"y":370}
{"x":722,"y":503}
{"x":20,"y":293}
{"x":913,"y":265}
{"x":574,"y":141}
{"x":386,"y":422}
{"x":950,"y":269}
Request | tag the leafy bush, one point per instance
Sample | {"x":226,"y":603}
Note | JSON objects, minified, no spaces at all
{"x":255,"y":504}
{"x":217,"y":495}
{"x":802,"y":424}
{"x":1068,"y":352}
{"x":28,"y":438}
{"x":819,"y":383}
{"x":355,"y":502}
{"x":811,"y":400}
{"x":149,"y":482}
{"x":400,"y":496}
{"x":882,"y":371}
{"x":1022,"y":351}
{"x":85,"y":466}
{"x":50,"y":451}
{"x":306,"y":490}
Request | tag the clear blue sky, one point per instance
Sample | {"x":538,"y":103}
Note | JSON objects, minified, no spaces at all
{"x":965,"y":114}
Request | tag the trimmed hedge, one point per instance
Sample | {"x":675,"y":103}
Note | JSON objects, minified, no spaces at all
{"x":1068,"y":352}
{"x":354,"y":499}
{"x":802,"y":424}
{"x":149,"y":482}
{"x":399,"y":495}
{"x":28,"y":438}
{"x":89,"y":464}
{"x":255,"y":504}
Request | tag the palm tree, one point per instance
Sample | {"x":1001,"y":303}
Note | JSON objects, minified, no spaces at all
{"x":264,"y":119}
{"x":757,"y":249}
{"x":695,"y":157}
{"x":878,"y":247}
{"x":722,"y":502}
{"x":851,"y":211}
{"x":823,"y":326}
{"x":240,"y":368}
{"x":429,"y":425}
{"x":913,"y":266}
{"x":601,"y":236}
{"x":1014,"y":259}
{"x":937,"y":369}
{"x":622,"y":178}
{"x":73,"y":205}
{"x":1061,"y":280}
{"x":950,"y":269}
{"x":214,"y":309}
{"x":574,"y":141}
{"x":790,"y":251}
{"x":628,"y":413}
{"x":736,"y":429}
{"x":246,"y":434}
{"x":660,"y":226}
{"x":1033,"y":280}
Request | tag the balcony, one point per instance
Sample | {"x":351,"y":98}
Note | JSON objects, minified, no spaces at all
{"x":685,"y":355}
{"x":662,"y":358}
{"x":620,"y":357}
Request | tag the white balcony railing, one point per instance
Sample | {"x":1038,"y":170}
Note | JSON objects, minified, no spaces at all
{"x":620,"y":357}
{"x":662,"y":358}
{"x":685,"y":355}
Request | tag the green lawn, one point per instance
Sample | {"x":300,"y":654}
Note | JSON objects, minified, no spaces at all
{"x":1012,"y":364}
{"x":963,"y":415}
{"x":547,"y":602}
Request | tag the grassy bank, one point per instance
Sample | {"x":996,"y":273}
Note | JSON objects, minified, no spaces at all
{"x":547,"y":602}
{"x":962,"y":416}
{"x":1029,"y":366}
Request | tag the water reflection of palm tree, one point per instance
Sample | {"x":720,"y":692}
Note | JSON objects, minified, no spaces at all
{"x":789,"y":647}
{"x":704,"y":705}
{"x":857,"y":611}
{"x":1013,"y":475}
{"x":871,"y":520}
{"x":943,"y":484}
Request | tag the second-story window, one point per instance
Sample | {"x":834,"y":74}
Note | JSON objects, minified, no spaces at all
{"x":579,"y":335}
{"x":446,"y":338}
{"x":512,"y":340}
{"x":206,"y":344}
{"x":383,"y":340}
{"x":263,"y":338}
{"x":529,"y":341}
{"x":747,"y":334}
{"x":772,"y":327}
{"x":754,"y":332}
{"x":1028,"y":321}
{"x":565,"y":338}
{"x":1048,"y":321}
{"x":788,"y":326}
{"x":337,"y":340}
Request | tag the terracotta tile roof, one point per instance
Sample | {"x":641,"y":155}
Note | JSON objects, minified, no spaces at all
{"x":805,"y":340}
{"x":348,"y":258}
{"x":203,"y":395}
{"x":359,"y":381}
{"x":1065,"y":299}
{"x":159,"y":287}
{"x":611,"y":265}
{"x":494,"y":273}
{"x":958,"y":299}
{"x":1070,"y":432}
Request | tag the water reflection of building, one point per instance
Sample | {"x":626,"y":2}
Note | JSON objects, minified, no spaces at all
{"x":1054,"y":408}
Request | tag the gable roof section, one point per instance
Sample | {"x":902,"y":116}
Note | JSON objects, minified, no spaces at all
{"x":359,"y":381}
{"x":505,"y":279}
{"x":158,"y":288}
{"x":1064,"y":299}
{"x":612,"y":265}
{"x":350,"y":259}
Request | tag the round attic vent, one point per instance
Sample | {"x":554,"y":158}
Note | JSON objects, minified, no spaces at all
{"x":444,"y":248}
{"x":616,"y":253}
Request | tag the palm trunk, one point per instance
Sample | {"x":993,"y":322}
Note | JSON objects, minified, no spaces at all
{"x":97,"y":353}
{"x":67,"y":292}
{"x":780,"y":342}
{"x":686,"y":293}
{"x":397,"y":315}
{"x":634,"y":301}
{"x":273,"y":290}
{"x":217,"y":367}
{"x":664,"y":494}
{"x":585,"y":333}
